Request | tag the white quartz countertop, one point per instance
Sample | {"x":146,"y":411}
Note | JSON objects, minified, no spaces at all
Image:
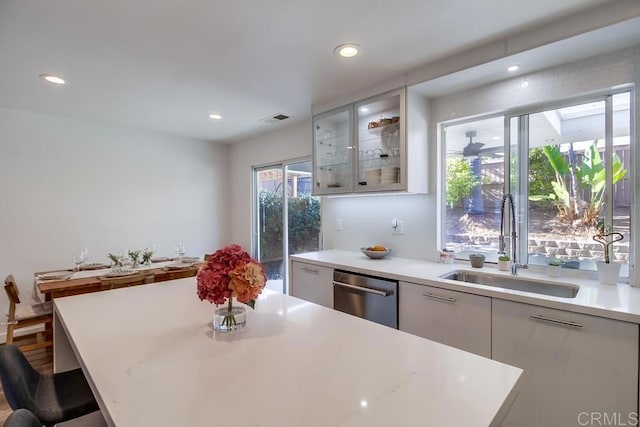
{"x":620,"y":302}
{"x":153,"y":359}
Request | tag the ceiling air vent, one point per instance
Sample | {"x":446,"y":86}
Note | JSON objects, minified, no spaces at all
{"x":275,"y":118}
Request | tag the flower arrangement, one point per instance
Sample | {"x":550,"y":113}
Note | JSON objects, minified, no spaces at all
{"x":231,"y":272}
{"x":146,"y":256}
{"x":135,"y":256}
{"x":606,"y":237}
{"x":116,"y":260}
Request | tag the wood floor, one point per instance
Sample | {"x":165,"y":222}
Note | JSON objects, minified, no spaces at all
{"x":41,"y":359}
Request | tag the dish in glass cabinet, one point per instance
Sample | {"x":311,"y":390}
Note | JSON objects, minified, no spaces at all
{"x":189,"y":259}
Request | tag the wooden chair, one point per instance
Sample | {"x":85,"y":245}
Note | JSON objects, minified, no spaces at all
{"x":26,"y":315}
{"x":109,"y":283}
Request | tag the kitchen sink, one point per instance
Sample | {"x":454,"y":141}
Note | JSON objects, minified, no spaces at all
{"x":515,"y":283}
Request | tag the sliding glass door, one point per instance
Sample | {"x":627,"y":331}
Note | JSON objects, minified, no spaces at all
{"x":287,"y":219}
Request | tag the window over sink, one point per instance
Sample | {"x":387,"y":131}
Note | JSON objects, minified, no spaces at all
{"x":568,"y":166}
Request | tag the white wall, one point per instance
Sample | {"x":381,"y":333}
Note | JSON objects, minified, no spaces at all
{"x":67,"y":184}
{"x":271,"y":147}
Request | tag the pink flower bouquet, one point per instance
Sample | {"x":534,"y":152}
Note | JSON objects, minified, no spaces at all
{"x":231,"y":272}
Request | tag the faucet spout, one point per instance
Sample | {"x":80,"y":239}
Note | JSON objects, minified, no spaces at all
{"x":511,"y":211}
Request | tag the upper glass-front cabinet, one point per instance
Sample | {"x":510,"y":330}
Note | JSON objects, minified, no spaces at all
{"x":333,"y":149}
{"x":360,"y":147}
{"x":380,"y":136}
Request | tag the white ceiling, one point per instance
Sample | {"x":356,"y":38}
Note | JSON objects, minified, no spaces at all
{"x":165,"y":65}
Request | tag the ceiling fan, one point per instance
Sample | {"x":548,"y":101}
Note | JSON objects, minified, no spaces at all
{"x":472,"y":148}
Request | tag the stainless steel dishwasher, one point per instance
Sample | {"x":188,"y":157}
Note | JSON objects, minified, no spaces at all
{"x":368,"y":297}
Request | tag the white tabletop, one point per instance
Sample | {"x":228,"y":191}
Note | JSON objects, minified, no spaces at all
{"x":153,"y":359}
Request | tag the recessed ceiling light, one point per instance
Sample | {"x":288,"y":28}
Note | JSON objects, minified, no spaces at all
{"x":215,"y":116}
{"x":53,"y":79}
{"x":364,"y":109}
{"x":347,"y":50}
{"x":496,"y":138}
{"x":513,"y":68}
{"x":524,"y":84}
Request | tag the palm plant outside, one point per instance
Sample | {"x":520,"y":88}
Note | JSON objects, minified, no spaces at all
{"x":570,"y":177}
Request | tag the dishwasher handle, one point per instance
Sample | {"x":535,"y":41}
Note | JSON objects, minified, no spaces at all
{"x":361,"y":288}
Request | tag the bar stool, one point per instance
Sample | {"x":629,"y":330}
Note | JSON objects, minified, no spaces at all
{"x":22,"y":418}
{"x":52,"y":398}
{"x":25,"y":315}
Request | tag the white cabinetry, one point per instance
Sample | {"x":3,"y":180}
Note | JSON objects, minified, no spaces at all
{"x":574,"y":365}
{"x":457,"y":319}
{"x":312,"y":283}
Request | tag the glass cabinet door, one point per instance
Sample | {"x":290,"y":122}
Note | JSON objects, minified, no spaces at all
{"x":380,"y":135}
{"x":333,"y":162}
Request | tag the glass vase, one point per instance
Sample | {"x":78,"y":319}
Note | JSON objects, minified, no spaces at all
{"x":229,"y":317}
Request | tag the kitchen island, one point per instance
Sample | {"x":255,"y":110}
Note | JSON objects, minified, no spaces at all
{"x":153,"y":359}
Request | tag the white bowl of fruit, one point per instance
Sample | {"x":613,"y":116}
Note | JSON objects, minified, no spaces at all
{"x":375,"y":251}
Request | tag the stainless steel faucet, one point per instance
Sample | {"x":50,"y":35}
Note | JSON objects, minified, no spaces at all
{"x":514,"y":246}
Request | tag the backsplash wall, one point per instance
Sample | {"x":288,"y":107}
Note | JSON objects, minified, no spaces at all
{"x":366,"y":220}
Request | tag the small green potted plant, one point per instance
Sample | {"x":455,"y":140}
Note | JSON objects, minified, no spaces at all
{"x":608,"y":271}
{"x":504,"y":262}
{"x":554,"y":267}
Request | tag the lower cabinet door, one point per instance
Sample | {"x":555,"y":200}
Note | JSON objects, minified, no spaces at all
{"x":453,"y":318}
{"x":312,"y":283}
{"x":578,"y":369}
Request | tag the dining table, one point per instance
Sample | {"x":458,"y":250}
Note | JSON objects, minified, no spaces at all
{"x":95,"y":277}
{"x":152,"y":358}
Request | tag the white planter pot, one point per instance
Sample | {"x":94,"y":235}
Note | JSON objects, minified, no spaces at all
{"x":608,"y":273}
{"x":504,"y":265}
{"x":554,"y":270}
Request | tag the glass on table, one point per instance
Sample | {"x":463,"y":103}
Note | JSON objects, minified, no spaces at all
{"x":79,"y":258}
{"x":180,"y":250}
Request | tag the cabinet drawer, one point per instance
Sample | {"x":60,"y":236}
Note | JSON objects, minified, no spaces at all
{"x":453,"y":318}
{"x":312,"y":283}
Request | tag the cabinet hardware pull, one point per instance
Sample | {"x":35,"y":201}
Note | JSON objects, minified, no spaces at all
{"x":360,"y":288}
{"x":561,"y":322}
{"x":439,"y":297}
{"x":310,"y":270}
